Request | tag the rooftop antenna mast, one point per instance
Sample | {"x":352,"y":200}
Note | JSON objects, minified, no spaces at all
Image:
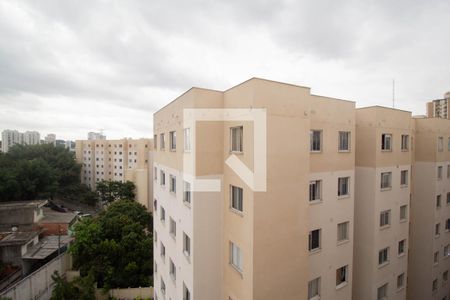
{"x":393,"y":93}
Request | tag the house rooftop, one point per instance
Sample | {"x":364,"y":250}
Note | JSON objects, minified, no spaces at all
{"x":22,"y":204}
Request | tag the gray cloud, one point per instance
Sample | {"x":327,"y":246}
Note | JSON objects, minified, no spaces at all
{"x":70,"y":68}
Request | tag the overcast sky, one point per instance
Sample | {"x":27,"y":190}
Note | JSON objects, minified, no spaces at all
{"x":69,"y":67}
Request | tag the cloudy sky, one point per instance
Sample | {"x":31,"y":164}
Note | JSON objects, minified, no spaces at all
{"x":69,"y":67}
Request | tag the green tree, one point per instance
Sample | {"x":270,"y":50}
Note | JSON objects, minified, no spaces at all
{"x":81,"y":288}
{"x":109,"y":191}
{"x":116,"y":247}
{"x":41,"y":171}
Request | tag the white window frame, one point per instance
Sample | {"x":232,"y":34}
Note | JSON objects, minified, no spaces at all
{"x":343,"y":232}
{"x":440,"y":143}
{"x":236,"y":199}
{"x":404,"y":176}
{"x":236,"y":257}
{"x":162,"y":142}
{"x":385,"y":218}
{"x":386,"y":142}
{"x":343,"y":181}
{"x":172,"y":227}
{"x":383,"y":257}
{"x":237,"y":139}
{"x":173,"y":184}
{"x":405,"y":142}
{"x":382,"y":292}
{"x":386,"y":180}
{"x":187,"y":193}
{"x":402,"y":249}
{"x":173,"y":140}
{"x":314,"y":289}
{"x":186,"y":245}
{"x":319,"y":240}
{"x":315,"y":191}
{"x":187,"y":139}
{"x":439,"y":172}
{"x":342,"y":281}
{"x":402,"y":282}
{"x":403,"y":213}
{"x":344,"y":141}
{"x":315,"y":145}
{"x":162,"y":178}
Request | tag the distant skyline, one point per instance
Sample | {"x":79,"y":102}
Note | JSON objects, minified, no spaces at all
{"x":67,"y":68}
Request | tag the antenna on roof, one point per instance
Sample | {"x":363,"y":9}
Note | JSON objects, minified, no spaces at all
{"x":393,"y":93}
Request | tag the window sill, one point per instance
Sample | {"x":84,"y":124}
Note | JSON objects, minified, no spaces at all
{"x":344,"y":151}
{"x":400,"y":289}
{"x":403,"y":186}
{"x":405,"y":150}
{"x":401,"y":255}
{"x":343,"y":242}
{"x":315,"y":151}
{"x":386,"y":189}
{"x":403,"y":220}
{"x":318,"y":201}
{"x":237,"y":212}
{"x":343,"y":196}
{"x":315,"y":298}
{"x":383,"y":265}
{"x":342,"y":285}
{"x":188,"y":204}
{"x":237,"y":152}
{"x":187,"y":255}
{"x":385,"y":227}
{"x":386,"y":150}
{"x":436,"y":236}
{"x":435,"y":265}
{"x":239,"y":271}
{"x":186,"y":151}
{"x":173,"y":150}
{"x":315,"y":251}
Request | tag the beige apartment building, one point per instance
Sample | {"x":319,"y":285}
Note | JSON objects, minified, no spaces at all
{"x":292,"y":241}
{"x":117,"y":160}
{"x":439,"y":108}
{"x":382,"y":202}
{"x":429,"y":261}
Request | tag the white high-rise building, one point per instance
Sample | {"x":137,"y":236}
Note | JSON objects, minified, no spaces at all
{"x":31,"y":138}
{"x":50,"y":139}
{"x":96,"y":136}
{"x":10,"y":138}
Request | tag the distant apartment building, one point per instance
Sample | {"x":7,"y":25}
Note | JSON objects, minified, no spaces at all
{"x":293,"y":241}
{"x":14,"y":137}
{"x":96,"y":136}
{"x":116,"y":160}
{"x":382,"y":202}
{"x":429,"y":261}
{"x":439,"y":108}
{"x":50,"y":139}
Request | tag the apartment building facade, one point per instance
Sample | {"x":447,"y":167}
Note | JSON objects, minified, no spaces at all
{"x":14,"y":137}
{"x":116,"y":160}
{"x":439,"y":108}
{"x":382,"y":202}
{"x":429,"y":261}
{"x":293,"y":240}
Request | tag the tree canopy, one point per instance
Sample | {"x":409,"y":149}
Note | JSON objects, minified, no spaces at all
{"x":116,"y":246}
{"x":82,"y":288}
{"x":109,"y":191}
{"x":29,"y":172}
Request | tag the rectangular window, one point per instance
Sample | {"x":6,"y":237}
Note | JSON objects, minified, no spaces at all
{"x":187,"y":192}
{"x":315,"y":190}
{"x":162,"y":251}
{"x":344,"y":141}
{"x":172,"y":270}
{"x":436,"y":257}
{"x":447,"y":225}
{"x":315,"y":140}
{"x":434,"y":285}
{"x":314,"y":289}
{"x":342,"y":231}
{"x":155,"y":173}
{"x":440,"y":144}
{"x":448,"y":171}
{"x":386,"y":142}
{"x":343,"y":186}
{"x":405,"y":142}
{"x":438,"y":201}
{"x":400,"y":281}
{"x":448,"y":198}
{"x":236,"y":256}
{"x":382,"y":292}
{"x":446,"y":251}
{"x":237,"y":135}
{"x":341,"y":275}
{"x":385,"y":218}
{"x":187,"y":139}
{"x":437,"y":229}
{"x":314,"y":240}
{"x":386,"y":180}
{"x":173,"y":227}
{"x":162,"y":215}
{"x":401,"y":247}
{"x":186,"y":245}
{"x":162,"y":143}
{"x":383,"y":256}
{"x":163,"y":287}
{"x":173,"y":140}
{"x":173,"y":184}
{"x":162,"y":177}
{"x":404,"y":178}
{"x":445,"y":276}
{"x":155,"y":141}
{"x":186,"y":293}
{"x":237,"y":201}
{"x":448,"y":144}
{"x":439,"y":172}
{"x":403,"y":213}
